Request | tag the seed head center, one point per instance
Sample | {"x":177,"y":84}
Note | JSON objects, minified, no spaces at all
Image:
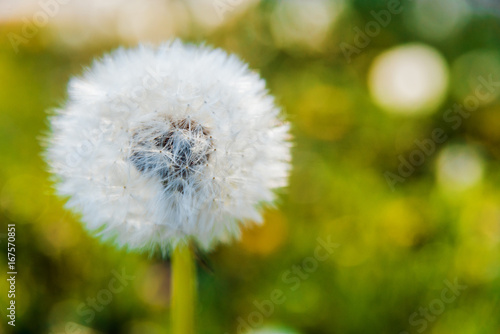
{"x":175,"y":154}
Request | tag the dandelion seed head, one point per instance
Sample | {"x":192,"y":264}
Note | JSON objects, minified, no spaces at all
{"x":160,"y":146}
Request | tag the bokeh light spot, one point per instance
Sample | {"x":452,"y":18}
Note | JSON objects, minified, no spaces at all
{"x":409,"y":79}
{"x":459,"y":167}
{"x":303,"y":23}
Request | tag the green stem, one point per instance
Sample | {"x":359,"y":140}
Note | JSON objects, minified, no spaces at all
{"x":183,"y":290}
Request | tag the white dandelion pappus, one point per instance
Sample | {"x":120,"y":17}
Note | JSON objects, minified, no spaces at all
{"x":161,"y":146}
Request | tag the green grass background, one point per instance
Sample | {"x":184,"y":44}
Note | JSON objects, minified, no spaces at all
{"x":395,"y":247}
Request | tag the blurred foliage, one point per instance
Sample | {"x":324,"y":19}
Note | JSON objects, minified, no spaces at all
{"x":396,"y":246}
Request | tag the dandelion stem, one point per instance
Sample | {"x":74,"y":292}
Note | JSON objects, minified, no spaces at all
{"x":183,"y":290}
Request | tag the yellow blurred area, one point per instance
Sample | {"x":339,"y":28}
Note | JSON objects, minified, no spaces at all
{"x":402,"y":223}
{"x":154,"y":286}
{"x":268,"y":237}
{"x":324,"y":112}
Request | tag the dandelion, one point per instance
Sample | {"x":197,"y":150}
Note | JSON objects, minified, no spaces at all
{"x":160,"y":148}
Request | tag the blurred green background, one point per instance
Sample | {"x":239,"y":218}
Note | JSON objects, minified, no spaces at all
{"x":387,"y":164}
